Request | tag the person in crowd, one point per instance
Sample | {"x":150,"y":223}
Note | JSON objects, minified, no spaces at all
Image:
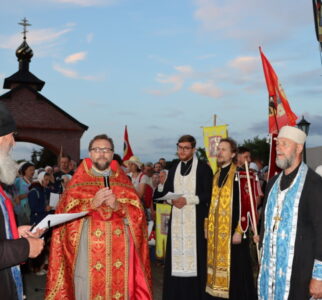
{"x":65,"y":179}
{"x":141,"y":183}
{"x":185,"y":263}
{"x":243,"y":154}
{"x":157,"y":167}
{"x":64,"y":168}
{"x":229,"y":269}
{"x":16,"y":243}
{"x":103,"y":255}
{"x":291,"y":263}
{"x":163,"y":163}
{"x":22,"y":184}
{"x":38,"y":197}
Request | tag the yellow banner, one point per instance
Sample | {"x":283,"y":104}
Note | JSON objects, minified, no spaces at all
{"x":212,"y":136}
{"x":163,"y":212}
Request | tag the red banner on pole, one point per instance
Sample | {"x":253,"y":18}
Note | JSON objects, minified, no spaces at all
{"x":280,"y":113}
{"x":127,"y":148}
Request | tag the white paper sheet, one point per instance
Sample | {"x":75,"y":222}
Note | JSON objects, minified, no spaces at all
{"x":53,"y":200}
{"x":169,"y":196}
{"x":57,"y":219}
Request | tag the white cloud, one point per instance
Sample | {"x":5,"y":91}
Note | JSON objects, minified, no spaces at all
{"x":175,"y":80}
{"x":206,"y":89}
{"x":187,"y":70}
{"x":75,"y":75}
{"x":34,"y":37}
{"x":246,"y":64}
{"x":74,"y":58}
{"x":251,"y":21}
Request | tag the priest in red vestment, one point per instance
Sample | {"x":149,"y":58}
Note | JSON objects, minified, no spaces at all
{"x":103,"y":255}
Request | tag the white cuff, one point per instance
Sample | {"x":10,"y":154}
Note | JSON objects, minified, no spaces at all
{"x":191,"y":199}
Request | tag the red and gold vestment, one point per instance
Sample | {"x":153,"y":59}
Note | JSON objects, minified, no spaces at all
{"x":118,"y":254}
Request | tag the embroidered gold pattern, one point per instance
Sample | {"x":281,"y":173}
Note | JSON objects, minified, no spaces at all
{"x":117,"y":295}
{"x":98,"y":233}
{"x":98,"y":266}
{"x":118,"y":231}
{"x":98,"y":297}
{"x":118,"y":264}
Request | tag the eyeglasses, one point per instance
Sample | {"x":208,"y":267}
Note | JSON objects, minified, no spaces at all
{"x":185,"y":148}
{"x":102,"y":150}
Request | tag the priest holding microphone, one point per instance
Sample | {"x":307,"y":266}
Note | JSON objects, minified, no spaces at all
{"x":105,"y":254}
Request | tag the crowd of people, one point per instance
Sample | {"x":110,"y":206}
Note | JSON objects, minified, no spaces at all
{"x":209,"y":254}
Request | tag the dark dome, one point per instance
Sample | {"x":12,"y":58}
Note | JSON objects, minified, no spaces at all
{"x":24,"y":52}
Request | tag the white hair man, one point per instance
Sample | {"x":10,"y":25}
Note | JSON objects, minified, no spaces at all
{"x":16,"y":244}
{"x":291,"y":266}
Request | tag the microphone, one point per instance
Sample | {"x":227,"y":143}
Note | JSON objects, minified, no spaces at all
{"x":106,"y":175}
{"x":107,"y":181}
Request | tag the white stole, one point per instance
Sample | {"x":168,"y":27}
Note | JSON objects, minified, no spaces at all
{"x":183,"y":226}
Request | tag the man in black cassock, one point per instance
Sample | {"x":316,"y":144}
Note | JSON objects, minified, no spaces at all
{"x":229,"y":270}
{"x":185,"y":263}
{"x":16,"y":244}
{"x":291,"y":233}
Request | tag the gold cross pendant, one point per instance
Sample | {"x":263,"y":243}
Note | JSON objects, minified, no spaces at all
{"x":277,"y":219}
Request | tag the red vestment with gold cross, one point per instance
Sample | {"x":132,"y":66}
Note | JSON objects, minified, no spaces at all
{"x":118,"y":253}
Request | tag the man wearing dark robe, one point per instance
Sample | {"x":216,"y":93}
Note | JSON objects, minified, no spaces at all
{"x":291,"y":234}
{"x":185,"y":264}
{"x":16,"y":244}
{"x":229,"y":270}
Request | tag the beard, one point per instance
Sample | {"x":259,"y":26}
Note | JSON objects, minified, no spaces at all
{"x":8,"y":169}
{"x":101,"y":166}
{"x":286,"y":162}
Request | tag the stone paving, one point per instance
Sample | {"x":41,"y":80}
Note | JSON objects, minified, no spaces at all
{"x":35,"y":285}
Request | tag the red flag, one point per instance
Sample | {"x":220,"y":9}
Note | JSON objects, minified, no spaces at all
{"x":127,"y":148}
{"x":280,"y":113}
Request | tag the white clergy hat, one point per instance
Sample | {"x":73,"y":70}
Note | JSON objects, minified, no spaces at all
{"x":292,"y":133}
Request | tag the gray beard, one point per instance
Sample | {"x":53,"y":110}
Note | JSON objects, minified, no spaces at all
{"x":8,"y":169}
{"x":285,"y":163}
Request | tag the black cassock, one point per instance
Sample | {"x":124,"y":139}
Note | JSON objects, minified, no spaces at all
{"x":12,"y":252}
{"x":241,"y":285}
{"x":308,"y":241}
{"x":189,"y":288}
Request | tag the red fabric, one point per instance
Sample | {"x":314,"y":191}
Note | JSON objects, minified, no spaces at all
{"x":138,"y":289}
{"x":108,"y":237}
{"x":273,"y":169}
{"x":280,"y":113}
{"x":245,"y":200}
{"x":127,"y":148}
{"x":11,"y":214}
{"x":148,"y":194}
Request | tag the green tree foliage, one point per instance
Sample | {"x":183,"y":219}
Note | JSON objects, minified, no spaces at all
{"x":259,"y":149}
{"x":43,"y":158}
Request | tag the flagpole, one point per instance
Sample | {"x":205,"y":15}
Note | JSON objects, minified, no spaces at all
{"x":254,"y":223}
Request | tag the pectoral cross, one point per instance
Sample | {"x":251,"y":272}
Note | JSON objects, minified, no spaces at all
{"x":277,"y":219}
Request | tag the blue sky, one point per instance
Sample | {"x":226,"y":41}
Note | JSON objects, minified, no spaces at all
{"x":164,"y":68}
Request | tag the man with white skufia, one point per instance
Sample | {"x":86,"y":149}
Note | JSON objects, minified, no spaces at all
{"x":291,"y":235}
{"x":16,"y":244}
{"x":185,"y":263}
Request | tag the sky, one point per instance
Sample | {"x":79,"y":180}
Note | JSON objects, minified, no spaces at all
{"x":165,"y":68}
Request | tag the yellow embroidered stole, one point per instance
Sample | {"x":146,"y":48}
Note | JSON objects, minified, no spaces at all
{"x":219,"y":236}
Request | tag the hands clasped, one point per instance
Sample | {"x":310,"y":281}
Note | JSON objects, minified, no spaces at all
{"x":104,"y":196}
{"x":180,"y":202}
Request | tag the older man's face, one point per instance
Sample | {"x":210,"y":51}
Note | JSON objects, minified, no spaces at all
{"x":8,"y":167}
{"x":286,"y":151}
